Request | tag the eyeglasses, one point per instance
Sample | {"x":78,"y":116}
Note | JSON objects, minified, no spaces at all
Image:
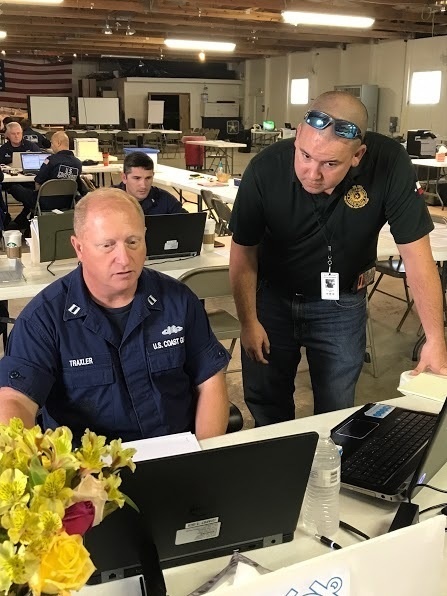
{"x":342,"y":128}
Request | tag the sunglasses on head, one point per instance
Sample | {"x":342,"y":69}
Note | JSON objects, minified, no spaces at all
{"x":342,"y":128}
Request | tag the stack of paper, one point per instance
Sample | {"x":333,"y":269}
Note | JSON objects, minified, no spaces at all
{"x":424,"y":385}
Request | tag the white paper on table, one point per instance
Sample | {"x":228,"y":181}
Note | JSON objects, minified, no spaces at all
{"x":164,"y":446}
{"x":425,"y":385}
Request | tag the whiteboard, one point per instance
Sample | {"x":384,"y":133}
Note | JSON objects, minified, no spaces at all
{"x":48,"y":110}
{"x":98,"y":110}
{"x":155,"y":112}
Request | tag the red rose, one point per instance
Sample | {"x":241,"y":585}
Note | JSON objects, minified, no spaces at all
{"x":79,"y":518}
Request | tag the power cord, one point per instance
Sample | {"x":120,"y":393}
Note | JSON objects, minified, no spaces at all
{"x":353,"y":530}
{"x":442,"y":506}
{"x":439,"y":490}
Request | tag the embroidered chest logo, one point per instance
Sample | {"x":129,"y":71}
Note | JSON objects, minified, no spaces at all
{"x":356,"y":197}
{"x":169,"y":343}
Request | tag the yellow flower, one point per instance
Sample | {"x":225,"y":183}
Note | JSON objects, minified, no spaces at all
{"x":91,"y":454}
{"x":27,"y":527}
{"x":52,"y":495}
{"x":121,"y":458}
{"x":91,"y":489}
{"x":16,"y":565}
{"x":57,"y":449}
{"x":12,"y":489}
{"x":65,"y":566}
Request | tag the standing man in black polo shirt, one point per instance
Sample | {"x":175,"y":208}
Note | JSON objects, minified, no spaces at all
{"x":137,"y":179}
{"x":15,"y":143}
{"x":61,"y":164}
{"x":33,"y":135}
{"x":305,"y":227}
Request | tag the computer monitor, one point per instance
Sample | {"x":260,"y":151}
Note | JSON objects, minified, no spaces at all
{"x":268,"y":125}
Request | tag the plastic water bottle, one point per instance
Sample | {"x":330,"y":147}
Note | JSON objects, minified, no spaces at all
{"x":320,"y":512}
{"x":219,"y":168}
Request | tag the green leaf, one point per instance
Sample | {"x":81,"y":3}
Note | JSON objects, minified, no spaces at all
{"x":129,"y":501}
{"x":37,"y":472}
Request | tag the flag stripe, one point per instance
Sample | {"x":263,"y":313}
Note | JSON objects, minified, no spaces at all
{"x":23,"y":78}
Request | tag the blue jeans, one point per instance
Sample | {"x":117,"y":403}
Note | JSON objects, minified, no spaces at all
{"x":334,"y":335}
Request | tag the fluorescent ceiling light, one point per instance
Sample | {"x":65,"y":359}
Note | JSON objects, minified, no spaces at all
{"x":121,"y":56}
{"x":2,"y":34}
{"x":32,"y":2}
{"x":329,"y":20}
{"x":190,"y":44}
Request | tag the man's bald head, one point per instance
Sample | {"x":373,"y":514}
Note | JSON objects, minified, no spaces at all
{"x":59,"y":141}
{"x":343,"y":106}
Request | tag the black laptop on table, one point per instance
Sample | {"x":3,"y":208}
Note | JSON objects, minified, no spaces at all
{"x":174,"y":235}
{"x":206,"y":504}
{"x":388,"y":450}
{"x":31,"y":162}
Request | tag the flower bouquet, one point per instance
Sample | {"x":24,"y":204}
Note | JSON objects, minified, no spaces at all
{"x":50,"y":495}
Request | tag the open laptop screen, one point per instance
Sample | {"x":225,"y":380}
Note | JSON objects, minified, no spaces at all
{"x":208,"y":503}
{"x":33,"y":161}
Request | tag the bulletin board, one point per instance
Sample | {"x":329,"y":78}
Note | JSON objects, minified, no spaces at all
{"x":98,"y":110}
{"x":43,"y":109}
{"x":155,"y":112}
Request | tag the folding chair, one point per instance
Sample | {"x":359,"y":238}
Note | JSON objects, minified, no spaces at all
{"x":224,"y":215}
{"x":56,"y":194}
{"x":214,"y":282}
{"x":207,"y":198}
{"x":394,"y":268}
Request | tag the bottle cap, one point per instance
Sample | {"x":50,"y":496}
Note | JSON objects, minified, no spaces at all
{"x":325,"y":433}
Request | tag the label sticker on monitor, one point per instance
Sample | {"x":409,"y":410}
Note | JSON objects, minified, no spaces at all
{"x":199,"y":530}
{"x":379,"y":411}
{"x":171,"y":244}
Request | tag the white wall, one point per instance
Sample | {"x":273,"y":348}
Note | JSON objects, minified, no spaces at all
{"x":135,"y":93}
{"x":388,"y":64}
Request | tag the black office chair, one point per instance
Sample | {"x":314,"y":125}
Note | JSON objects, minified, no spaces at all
{"x":56,"y":194}
{"x":235,"y":421}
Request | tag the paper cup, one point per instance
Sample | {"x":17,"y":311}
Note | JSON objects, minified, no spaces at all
{"x":13,"y":243}
{"x":208,"y":235}
{"x":440,"y":157}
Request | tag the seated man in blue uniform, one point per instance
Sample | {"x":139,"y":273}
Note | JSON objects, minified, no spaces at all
{"x":34,"y":136}
{"x":61,"y":164}
{"x":15,"y":143}
{"x":137,"y":178}
{"x":114,"y":347}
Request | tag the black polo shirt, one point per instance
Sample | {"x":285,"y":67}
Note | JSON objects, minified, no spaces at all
{"x":6,"y":150}
{"x":294,"y":227}
{"x":62,"y":164}
{"x":158,"y":201}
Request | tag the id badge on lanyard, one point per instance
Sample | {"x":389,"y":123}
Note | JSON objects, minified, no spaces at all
{"x":330,"y":287}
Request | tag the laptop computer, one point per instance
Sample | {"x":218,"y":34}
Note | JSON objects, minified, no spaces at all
{"x":174,"y":235}
{"x":31,"y":162}
{"x":388,"y":450}
{"x":206,"y":504}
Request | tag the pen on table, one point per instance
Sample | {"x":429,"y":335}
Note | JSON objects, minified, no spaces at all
{"x":328,"y":542}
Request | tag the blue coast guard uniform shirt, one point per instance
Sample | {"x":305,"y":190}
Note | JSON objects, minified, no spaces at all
{"x":65,"y":355}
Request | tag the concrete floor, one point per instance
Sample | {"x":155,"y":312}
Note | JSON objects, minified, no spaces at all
{"x":393,"y":349}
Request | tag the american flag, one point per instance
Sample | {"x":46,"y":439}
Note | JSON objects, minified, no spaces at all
{"x":28,"y":77}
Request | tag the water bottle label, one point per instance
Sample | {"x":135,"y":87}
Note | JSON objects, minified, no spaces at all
{"x":325,"y":478}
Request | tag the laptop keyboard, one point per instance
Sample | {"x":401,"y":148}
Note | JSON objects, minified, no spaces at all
{"x":379,"y":458}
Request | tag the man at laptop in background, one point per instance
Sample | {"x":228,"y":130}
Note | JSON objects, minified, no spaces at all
{"x":15,"y":143}
{"x":137,"y":178}
{"x":61,"y":164}
{"x":123,"y":350}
